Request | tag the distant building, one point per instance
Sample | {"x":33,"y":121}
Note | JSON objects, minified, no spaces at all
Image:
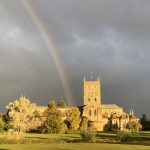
{"x":101,"y":116}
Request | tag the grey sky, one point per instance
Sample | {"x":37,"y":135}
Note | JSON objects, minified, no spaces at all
{"x":109,"y":38}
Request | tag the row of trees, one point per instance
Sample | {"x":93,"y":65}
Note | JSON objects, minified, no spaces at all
{"x":23,"y":116}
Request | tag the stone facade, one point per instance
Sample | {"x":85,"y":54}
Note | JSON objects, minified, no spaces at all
{"x":92,"y":107}
{"x":101,"y":116}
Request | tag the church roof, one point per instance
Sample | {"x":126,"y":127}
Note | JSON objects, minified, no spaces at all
{"x":41,"y":106}
{"x":124,"y":116}
{"x":60,"y":108}
{"x":133,"y":117}
{"x":112,"y":106}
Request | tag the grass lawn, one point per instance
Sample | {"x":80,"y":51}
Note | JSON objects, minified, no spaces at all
{"x":49,"y":145}
{"x":49,"y":136}
{"x":73,"y":146}
{"x":99,"y":135}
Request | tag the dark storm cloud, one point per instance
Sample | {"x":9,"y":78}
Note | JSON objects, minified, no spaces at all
{"x":109,"y":38}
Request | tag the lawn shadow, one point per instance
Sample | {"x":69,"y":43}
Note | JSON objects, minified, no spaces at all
{"x":71,"y":137}
{"x":106,"y":135}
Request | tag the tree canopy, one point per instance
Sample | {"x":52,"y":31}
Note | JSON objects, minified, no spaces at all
{"x":23,"y":115}
{"x":145,"y":122}
{"x":134,"y":126}
{"x":53,"y":120}
{"x":84,"y":123}
{"x":61,"y":103}
{"x":73,"y":118}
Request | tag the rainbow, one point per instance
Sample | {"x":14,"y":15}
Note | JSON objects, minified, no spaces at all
{"x":52,"y":49}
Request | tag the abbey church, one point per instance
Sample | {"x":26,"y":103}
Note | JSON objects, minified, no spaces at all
{"x":101,"y":116}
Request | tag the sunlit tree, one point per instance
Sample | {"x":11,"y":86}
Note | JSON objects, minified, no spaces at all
{"x":61,"y":103}
{"x":73,"y":118}
{"x":84,"y":123}
{"x":23,"y":115}
{"x":53,"y":120}
{"x":134,"y":126}
{"x":2,"y":123}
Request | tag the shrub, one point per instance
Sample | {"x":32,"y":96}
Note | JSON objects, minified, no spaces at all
{"x":88,"y":135}
{"x":63,"y":128}
{"x":124,"y":135}
{"x":11,"y":137}
{"x":14,"y":135}
{"x":2,"y":125}
{"x":134,"y":126}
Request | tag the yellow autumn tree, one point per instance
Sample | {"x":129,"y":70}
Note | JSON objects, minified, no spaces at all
{"x":23,"y":115}
{"x":73,"y":118}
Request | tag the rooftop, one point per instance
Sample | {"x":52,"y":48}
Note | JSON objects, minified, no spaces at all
{"x":114,"y":106}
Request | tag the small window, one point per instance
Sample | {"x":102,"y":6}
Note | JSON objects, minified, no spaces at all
{"x":95,"y":112}
{"x":89,"y":99}
{"x":90,"y":112}
{"x":95,"y":99}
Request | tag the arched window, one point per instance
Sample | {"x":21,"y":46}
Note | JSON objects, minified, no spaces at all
{"x":95,"y":99}
{"x":89,"y":99}
{"x":90,"y":112}
{"x":95,"y":113}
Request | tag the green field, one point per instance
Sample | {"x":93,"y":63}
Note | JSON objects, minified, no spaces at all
{"x":74,"y":146}
{"x":105,"y":141}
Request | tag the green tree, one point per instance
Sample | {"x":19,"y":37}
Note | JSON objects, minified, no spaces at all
{"x":2,"y":123}
{"x":53,"y":120}
{"x":7,"y":122}
{"x":73,"y":118}
{"x":52,"y":104}
{"x":84,"y":123}
{"x":61,"y":103}
{"x":145,"y":122}
{"x":23,"y":115}
{"x":134,"y":126}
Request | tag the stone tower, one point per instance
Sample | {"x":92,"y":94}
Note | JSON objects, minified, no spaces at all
{"x":92,"y":108}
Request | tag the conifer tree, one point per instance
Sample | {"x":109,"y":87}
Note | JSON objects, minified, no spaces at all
{"x":53,"y":120}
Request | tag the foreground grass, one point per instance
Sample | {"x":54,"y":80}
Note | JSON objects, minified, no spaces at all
{"x":145,"y":135}
{"x":55,"y":142}
{"x":99,"y":135}
{"x":74,"y":146}
{"x":102,"y":135}
{"x":49,"y":136}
